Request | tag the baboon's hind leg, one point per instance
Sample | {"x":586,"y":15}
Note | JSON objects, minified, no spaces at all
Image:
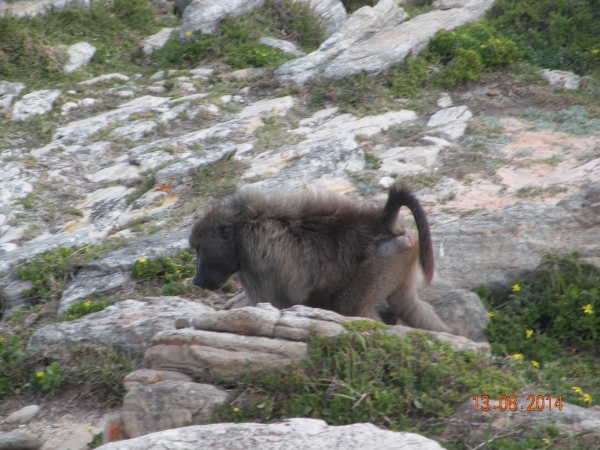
{"x":414,"y":312}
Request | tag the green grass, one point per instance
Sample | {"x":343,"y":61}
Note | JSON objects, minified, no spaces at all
{"x":367,"y":376}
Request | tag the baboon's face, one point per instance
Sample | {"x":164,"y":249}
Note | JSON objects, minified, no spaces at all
{"x":216,"y":258}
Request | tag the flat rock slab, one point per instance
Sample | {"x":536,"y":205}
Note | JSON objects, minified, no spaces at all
{"x":207,"y":355}
{"x":17,"y":440}
{"x":128,"y":325}
{"x":169,"y":404}
{"x":301,"y":434}
{"x":34,"y":103}
{"x":24,"y":414}
{"x":80,"y":54}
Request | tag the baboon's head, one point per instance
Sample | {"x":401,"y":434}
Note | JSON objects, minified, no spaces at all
{"x":213,"y":240}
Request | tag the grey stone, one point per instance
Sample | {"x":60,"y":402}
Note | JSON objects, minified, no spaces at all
{"x":23,"y":415}
{"x":18,"y":440}
{"x":8,"y":88}
{"x":6,"y":101}
{"x":103,"y":205}
{"x":568,"y":80}
{"x":158,"y":75}
{"x":244,"y":74}
{"x":410,"y":160}
{"x":449,"y":4}
{"x":202,"y":72}
{"x":145,"y":377}
{"x":173,"y":113}
{"x":80,"y":55}
{"x":114,"y":269}
{"x":445,"y":101}
{"x":444,"y":190}
{"x":587,"y":172}
{"x":481,"y":249}
{"x":10,"y":170}
{"x":169,"y":404}
{"x":156,"y":41}
{"x":128,"y":325}
{"x":207,"y":354}
{"x":13,"y":298}
{"x":328,"y":160}
{"x":81,"y":130}
{"x":180,"y":173}
{"x":205,"y":15}
{"x":360,"y":25}
{"x":135,"y":130}
{"x":450,"y":115}
{"x":22,"y":8}
{"x":117,"y":172}
{"x":106,"y":77}
{"x":34,"y":103}
{"x":287,"y":47}
{"x":149,"y":161}
{"x":319,"y":116}
{"x":302,"y":434}
{"x":12,"y":190}
{"x":96,"y":150}
{"x":331,"y":13}
{"x":390,"y":46}
{"x":266,"y":108}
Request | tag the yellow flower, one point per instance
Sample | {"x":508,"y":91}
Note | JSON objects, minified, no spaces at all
{"x":89,"y":429}
{"x":39,"y":374}
{"x":535,"y":364}
{"x":546,"y":441}
{"x":142,"y":260}
{"x":188,"y":33}
{"x":587,"y":398}
{"x":236,"y":409}
{"x":516,"y":287}
{"x":588,"y":309}
{"x":263,"y":54}
{"x":595,"y":51}
{"x":497,"y":41}
{"x":88,"y":304}
{"x":578,"y":390}
{"x":518,"y":356}
{"x":454,"y":33}
{"x":178,"y":271}
{"x":491,"y":314}
{"x":528,"y":333}
{"x":482,"y":46}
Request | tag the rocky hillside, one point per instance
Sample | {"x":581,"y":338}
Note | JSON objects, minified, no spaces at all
{"x":121,"y":120}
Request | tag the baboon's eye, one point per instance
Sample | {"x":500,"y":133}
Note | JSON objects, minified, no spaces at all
{"x":224,"y":229}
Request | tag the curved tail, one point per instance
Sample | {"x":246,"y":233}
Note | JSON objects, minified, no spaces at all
{"x":400,"y":195}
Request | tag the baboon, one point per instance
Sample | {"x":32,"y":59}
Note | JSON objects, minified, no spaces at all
{"x":319,"y":249}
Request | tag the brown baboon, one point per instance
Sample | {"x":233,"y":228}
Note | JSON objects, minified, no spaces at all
{"x":318,"y":249}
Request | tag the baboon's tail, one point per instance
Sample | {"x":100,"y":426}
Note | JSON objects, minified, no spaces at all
{"x":400,"y":195}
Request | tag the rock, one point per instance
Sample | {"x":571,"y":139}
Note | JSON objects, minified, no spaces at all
{"x":114,"y":430}
{"x":106,"y":77}
{"x":68,"y":106}
{"x":246,"y":74}
{"x":12,"y":190}
{"x":156,"y":41}
{"x":305,"y":434}
{"x":272,"y":107}
{"x":481,"y":249}
{"x":149,"y":161}
{"x":410,"y":160}
{"x":34,"y":103}
{"x":189,"y":98}
{"x":81,"y":130}
{"x":319,"y":116}
{"x":188,"y":87}
{"x":287,"y":47}
{"x":10,"y":170}
{"x":145,"y":377}
{"x":449,"y":4}
{"x":156,"y":89}
{"x":208,"y":355}
{"x":89,"y":102}
{"x":568,"y":80}
{"x":225,"y":99}
{"x":6,"y":101}
{"x":117,"y":172}
{"x":169,"y":404}
{"x":445,"y":101}
{"x":390,"y":46}
{"x":589,"y":171}
{"x":328,"y":160}
{"x":202,"y":72}
{"x":158,"y":75}
{"x":331,"y":13}
{"x":23,"y":415}
{"x":135,"y":130}
{"x":128,"y":325}
{"x":450,"y":123}
{"x":386,"y":182}
{"x":13,"y":298}
{"x":173,"y":113}
{"x":205,"y":15}
{"x":29,"y":8}
{"x":444,"y":190}
{"x":571,"y":418}
{"x":8,"y":88}
{"x":114,"y":269}
{"x":17,"y":440}
{"x":102,"y":206}
{"x":80,"y":54}
{"x":360,"y":24}
{"x":93,"y":151}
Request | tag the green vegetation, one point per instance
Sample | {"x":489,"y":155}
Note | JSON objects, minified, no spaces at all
{"x":551,"y":328}
{"x":50,"y":270}
{"x":80,"y":309}
{"x":97,"y":440}
{"x":174,"y":273}
{"x":550,"y":191}
{"x":95,"y":371}
{"x":28,"y":44}
{"x":574,"y":120}
{"x":237,"y":40}
{"x":368,"y":376}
